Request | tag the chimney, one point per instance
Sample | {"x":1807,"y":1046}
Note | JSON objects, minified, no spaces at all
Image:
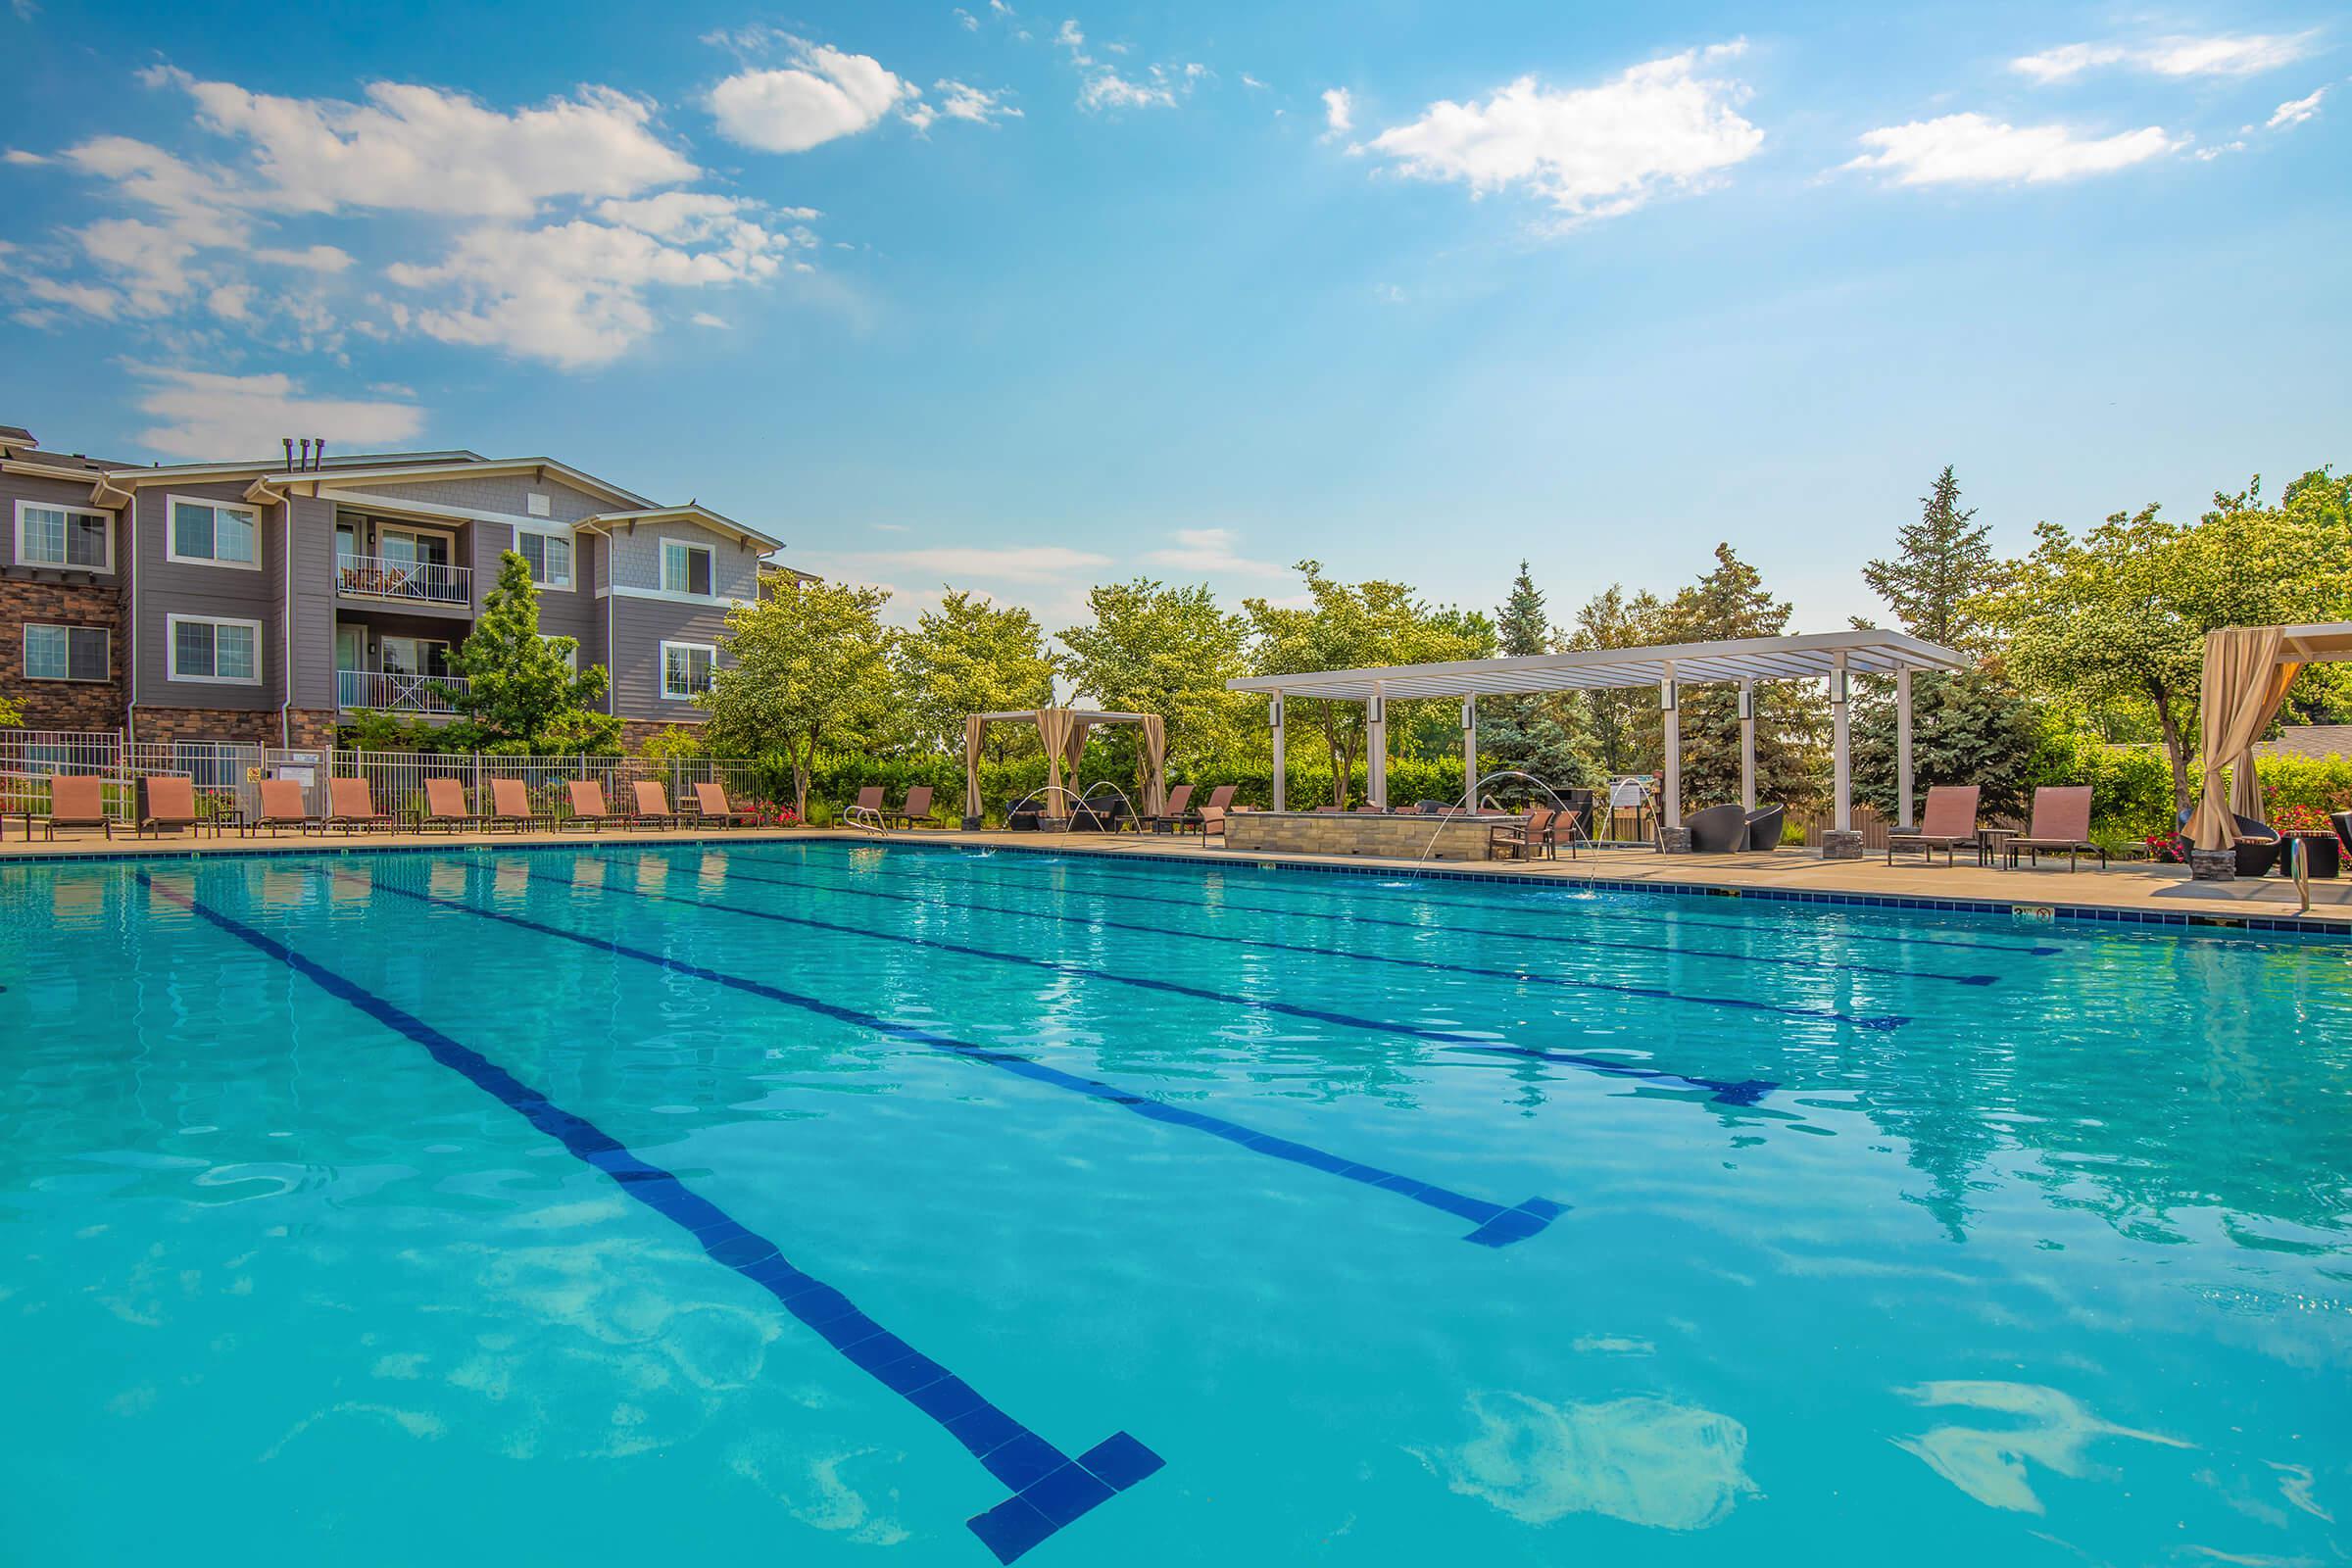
{"x":289,"y":442}
{"x":306,"y":451}
{"x":318,"y":453}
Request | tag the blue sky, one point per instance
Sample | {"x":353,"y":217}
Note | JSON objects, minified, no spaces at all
{"x":1023,"y":299}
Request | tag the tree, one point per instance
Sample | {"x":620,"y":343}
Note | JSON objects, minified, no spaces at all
{"x":969,"y":657}
{"x":1729,"y":603}
{"x":1156,"y":649}
{"x":807,"y":669}
{"x":1351,"y":626}
{"x":521,"y":686}
{"x":1625,"y":722}
{"x":1546,"y":734}
{"x":1941,"y":563}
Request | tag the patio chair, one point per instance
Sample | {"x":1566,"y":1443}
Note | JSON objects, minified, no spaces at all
{"x":283,"y":804}
{"x":1764,"y":826}
{"x":1177,"y":811}
{"x":866,"y":810}
{"x":2060,"y":821}
{"x":916,"y":810}
{"x":445,"y":806}
{"x":351,"y":807}
{"x":167,"y":805}
{"x":1948,"y":823}
{"x":1212,"y":818}
{"x":1718,"y":829}
{"x":76,"y":800}
{"x":588,"y":809}
{"x":510,"y":807}
{"x":2260,"y":847}
{"x":1522,"y":838}
{"x":1092,"y":814}
{"x":711,"y":804}
{"x":2343,"y":827}
{"x":651,"y":805}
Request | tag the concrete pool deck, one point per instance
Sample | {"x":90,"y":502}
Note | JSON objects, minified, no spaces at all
{"x":2137,"y":890}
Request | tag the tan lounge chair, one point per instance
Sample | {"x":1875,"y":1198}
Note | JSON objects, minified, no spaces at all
{"x":653,"y":804}
{"x":282,"y":805}
{"x":510,"y":807}
{"x":351,"y":807}
{"x":168,"y":804}
{"x":76,"y":800}
{"x":1172,"y":817}
{"x":2061,"y":822}
{"x":1948,"y":823}
{"x":445,"y":806}
{"x":915,"y":810}
{"x":866,"y":810}
{"x":588,"y":803}
{"x":1220,"y":801}
{"x":711,"y":804}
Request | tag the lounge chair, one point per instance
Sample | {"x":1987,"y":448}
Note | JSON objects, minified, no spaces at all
{"x":915,"y":810}
{"x":1948,"y":823}
{"x":1718,"y":829}
{"x":1764,"y":826}
{"x":653,"y":804}
{"x":76,"y":800}
{"x":351,"y":807}
{"x":711,"y":804}
{"x":866,"y":810}
{"x":445,"y":806}
{"x":1176,"y":813}
{"x":2061,"y":822}
{"x":1220,"y":801}
{"x":1522,"y":838}
{"x":510,"y":807}
{"x":167,"y":803}
{"x":588,"y":809}
{"x":283,"y":804}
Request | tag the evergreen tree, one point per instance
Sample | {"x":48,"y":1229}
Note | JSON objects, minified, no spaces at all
{"x":521,"y":686}
{"x":1623,"y":723}
{"x":1548,"y":734}
{"x":1941,"y":561}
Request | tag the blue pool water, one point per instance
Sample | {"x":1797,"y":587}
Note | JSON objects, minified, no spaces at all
{"x":831,"y":1204}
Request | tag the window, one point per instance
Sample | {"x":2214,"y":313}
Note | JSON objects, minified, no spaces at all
{"x":66,"y":653}
{"x":550,"y":556}
{"x":65,"y":536}
{"x":214,"y":533}
{"x":687,"y":669}
{"x":685,"y":568}
{"x":536,"y":503}
{"x":228,"y":652}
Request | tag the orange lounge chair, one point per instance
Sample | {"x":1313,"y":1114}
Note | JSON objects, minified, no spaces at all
{"x":2060,"y":821}
{"x":351,"y":807}
{"x":588,"y":803}
{"x":282,"y":805}
{"x":1177,"y":812}
{"x":1948,"y":823}
{"x":510,"y":805}
{"x":711,"y":804}
{"x":445,"y":806}
{"x":76,"y":800}
{"x":653,"y":804}
{"x":168,"y":804}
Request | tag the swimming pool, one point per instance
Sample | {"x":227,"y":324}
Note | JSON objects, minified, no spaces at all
{"x":833,"y":1202}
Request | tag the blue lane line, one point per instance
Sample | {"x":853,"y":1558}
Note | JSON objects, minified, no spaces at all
{"x":1091,"y":867}
{"x":1049,"y":1489}
{"x":1498,"y":1226}
{"x":1079,"y":971}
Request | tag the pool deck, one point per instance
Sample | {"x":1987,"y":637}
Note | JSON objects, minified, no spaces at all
{"x":2136,"y":891}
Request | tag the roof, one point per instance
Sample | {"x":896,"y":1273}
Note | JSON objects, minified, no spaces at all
{"x":2325,"y":642}
{"x":691,"y":511}
{"x":2309,"y":740}
{"x":1805,"y":658}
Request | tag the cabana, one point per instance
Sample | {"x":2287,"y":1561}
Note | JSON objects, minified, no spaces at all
{"x":1063,"y":731}
{"x":1833,"y":656}
{"x":2247,"y":671}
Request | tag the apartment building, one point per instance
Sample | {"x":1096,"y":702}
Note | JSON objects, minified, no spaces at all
{"x":263,"y":601}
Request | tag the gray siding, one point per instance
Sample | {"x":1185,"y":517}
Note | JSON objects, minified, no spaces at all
{"x":313,"y":603}
{"x":507,"y":494}
{"x":637,"y":558}
{"x":170,"y":587}
{"x":639,"y":628}
{"x":16,"y":487}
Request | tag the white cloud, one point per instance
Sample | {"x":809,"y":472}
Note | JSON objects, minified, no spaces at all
{"x":231,"y":301}
{"x":326,"y":259}
{"x":960,"y":101}
{"x":825,"y":94}
{"x":205,"y":415}
{"x":2216,"y":55}
{"x":2298,"y":112}
{"x":1338,"y":110}
{"x":1972,"y":150}
{"x":88,"y":298}
{"x":971,"y":24}
{"x":1101,"y":85}
{"x":1591,"y":152}
{"x":148,"y":262}
{"x":19,"y":156}
{"x":1205,"y":550}
{"x":706,"y":319}
{"x":1247,"y":80}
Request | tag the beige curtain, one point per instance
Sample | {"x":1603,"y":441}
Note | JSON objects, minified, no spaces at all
{"x":1075,"y":747}
{"x":2242,"y":686}
{"x":972,"y":728}
{"x":1155,"y":755}
{"x":1053,"y":730}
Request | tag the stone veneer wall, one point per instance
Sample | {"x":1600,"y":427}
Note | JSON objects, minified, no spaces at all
{"x":60,"y":704}
{"x":245,"y":726}
{"x":635,"y":732}
{"x":1398,"y":838}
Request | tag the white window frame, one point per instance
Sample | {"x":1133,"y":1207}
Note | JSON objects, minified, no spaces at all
{"x":83,"y":680}
{"x":172,"y":650}
{"x":572,"y":553}
{"x":172,"y":506}
{"x":572,"y":661}
{"x":670,"y":696}
{"x":688,"y":546}
{"x":70,"y":511}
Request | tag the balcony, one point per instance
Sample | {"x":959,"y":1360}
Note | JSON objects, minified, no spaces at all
{"x":402,"y":583}
{"x":397,"y":694}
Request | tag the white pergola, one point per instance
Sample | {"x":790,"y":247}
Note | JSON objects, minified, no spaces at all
{"x":1833,"y":656}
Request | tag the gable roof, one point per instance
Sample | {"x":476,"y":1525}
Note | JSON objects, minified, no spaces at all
{"x":692,"y":512}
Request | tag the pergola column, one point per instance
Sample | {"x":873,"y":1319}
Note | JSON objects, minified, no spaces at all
{"x":1902,"y":748}
{"x":1274,"y":724}
{"x":1470,"y":751}
{"x":1376,"y":748}
{"x":1670,"y":708}
{"x":1841,"y":842}
{"x":1748,"y":745}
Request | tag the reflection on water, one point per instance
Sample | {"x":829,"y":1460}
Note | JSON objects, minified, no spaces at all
{"x":1647,"y":1461}
{"x":2050,"y":1430}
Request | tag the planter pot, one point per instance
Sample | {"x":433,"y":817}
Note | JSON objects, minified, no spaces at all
{"x":2323,"y":856}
